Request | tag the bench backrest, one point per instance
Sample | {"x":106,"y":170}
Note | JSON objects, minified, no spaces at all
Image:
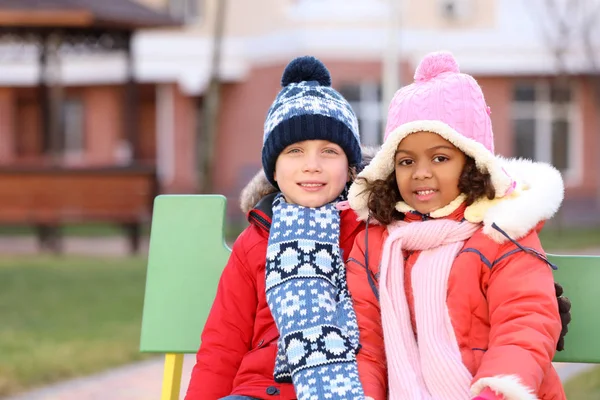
{"x":580,"y":279}
{"x":186,"y":257}
{"x":188,"y":253}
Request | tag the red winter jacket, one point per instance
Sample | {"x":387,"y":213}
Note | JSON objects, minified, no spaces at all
{"x":501,"y":303}
{"x":239,"y":341}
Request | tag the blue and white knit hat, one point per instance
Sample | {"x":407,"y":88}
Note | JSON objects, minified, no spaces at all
{"x":308,"y":108}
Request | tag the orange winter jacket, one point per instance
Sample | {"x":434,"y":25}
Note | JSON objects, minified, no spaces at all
{"x":502,"y":305}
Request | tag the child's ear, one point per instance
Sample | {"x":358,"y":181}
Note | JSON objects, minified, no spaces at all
{"x":351,"y":174}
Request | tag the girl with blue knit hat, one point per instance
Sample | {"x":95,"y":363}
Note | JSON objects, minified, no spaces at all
{"x":282,"y":325}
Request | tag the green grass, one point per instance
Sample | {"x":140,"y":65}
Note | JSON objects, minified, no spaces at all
{"x":569,"y":239}
{"x":585,"y":386}
{"x":64,"y":317}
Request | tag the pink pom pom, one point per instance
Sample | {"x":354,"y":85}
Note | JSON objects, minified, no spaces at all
{"x":434,"y":64}
{"x":343,"y":205}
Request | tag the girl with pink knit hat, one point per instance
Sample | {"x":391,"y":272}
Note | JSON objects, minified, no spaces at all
{"x":450,"y":282}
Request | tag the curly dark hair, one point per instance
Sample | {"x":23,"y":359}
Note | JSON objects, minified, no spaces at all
{"x":384,"y":193}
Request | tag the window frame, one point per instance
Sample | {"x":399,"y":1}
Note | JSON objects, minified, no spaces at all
{"x":181,"y":9}
{"x":368,"y":109}
{"x":544,"y":112}
{"x":76,"y":153}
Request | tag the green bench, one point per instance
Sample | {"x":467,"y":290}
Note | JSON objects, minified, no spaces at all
{"x":188,"y":253}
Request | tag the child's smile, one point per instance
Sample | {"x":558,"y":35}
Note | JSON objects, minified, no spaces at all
{"x":425,"y":194}
{"x":312,"y":186}
{"x":428,"y":169}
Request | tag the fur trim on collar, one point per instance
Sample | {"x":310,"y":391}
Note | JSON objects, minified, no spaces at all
{"x":256,"y":189}
{"x":259,"y":186}
{"x":537,"y":197}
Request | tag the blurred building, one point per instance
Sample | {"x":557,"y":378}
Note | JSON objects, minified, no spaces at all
{"x":508,"y":45}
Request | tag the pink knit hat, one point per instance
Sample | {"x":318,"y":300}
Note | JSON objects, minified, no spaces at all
{"x":442,"y":100}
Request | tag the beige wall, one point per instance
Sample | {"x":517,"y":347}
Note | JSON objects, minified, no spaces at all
{"x":425,"y":14}
{"x":262,"y":17}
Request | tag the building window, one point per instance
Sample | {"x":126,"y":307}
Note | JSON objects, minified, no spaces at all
{"x":73,"y":122}
{"x":365,"y":99}
{"x":544,"y":123}
{"x":456,"y":10}
{"x":187,"y":10}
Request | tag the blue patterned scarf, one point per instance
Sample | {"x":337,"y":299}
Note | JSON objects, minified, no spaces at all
{"x":308,"y":296}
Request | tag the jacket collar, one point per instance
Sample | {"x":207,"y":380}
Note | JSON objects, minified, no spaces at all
{"x":457,"y":215}
{"x":262,"y":215}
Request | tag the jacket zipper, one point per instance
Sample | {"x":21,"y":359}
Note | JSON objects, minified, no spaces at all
{"x":263,"y":222}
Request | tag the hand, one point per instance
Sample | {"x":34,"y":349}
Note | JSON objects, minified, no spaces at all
{"x":564,"y":308}
{"x":488,"y":394}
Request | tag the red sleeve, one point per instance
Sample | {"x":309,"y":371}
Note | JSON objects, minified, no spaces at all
{"x":371,"y":356}
{"x":228,"y":330}
{"x":524,"y":321}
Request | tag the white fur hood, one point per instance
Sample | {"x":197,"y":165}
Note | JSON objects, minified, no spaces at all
{"x":538,"y":194}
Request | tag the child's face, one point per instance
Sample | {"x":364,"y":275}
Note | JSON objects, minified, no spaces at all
{"x":428,"y":168}
{"x":311,"y":173}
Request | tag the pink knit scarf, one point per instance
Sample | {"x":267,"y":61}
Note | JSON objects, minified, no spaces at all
{"x":431,"y":369}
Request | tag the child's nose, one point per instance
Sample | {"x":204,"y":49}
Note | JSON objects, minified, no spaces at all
{"x":312,"y":163}
{"x":422,"y":171}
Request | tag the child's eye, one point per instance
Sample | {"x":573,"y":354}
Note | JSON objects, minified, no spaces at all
{"x":405,"y":162}
{"x":330,"y":151}
{"x":293,"y":150}
{"x":439,"y":159}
